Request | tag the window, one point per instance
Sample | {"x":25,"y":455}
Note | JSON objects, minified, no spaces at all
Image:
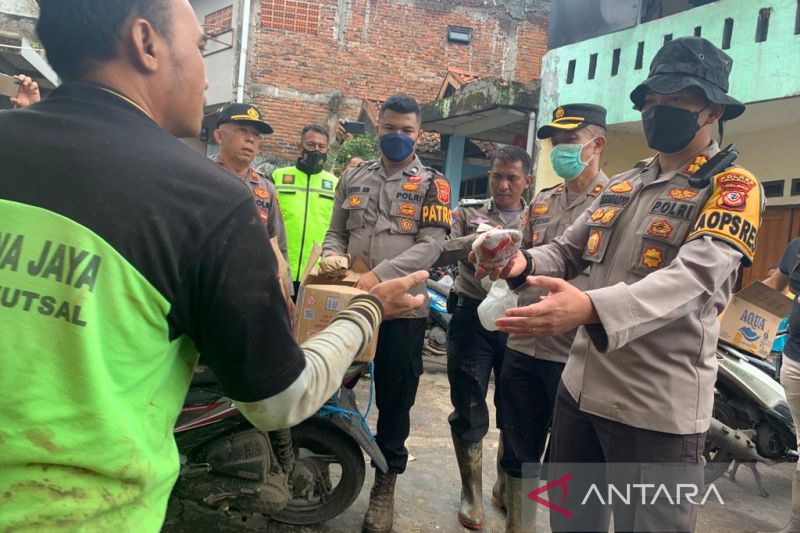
{"x":773,"y":189}
{"x":727,"y":33}
{"x":656,"y":9}
{"x":639,"y":56}
{"x":698,"y":31}
{"x":667,"y":38}
{"x":762,"y":27}
{"x":592,"y":66}
{"x":219,"y":21}
{"x":571,"y":71}
{"x":291,"y":15}
{"x":797,"y":19}
{"x":615,"y":62}
{"x":796,"y":187}
{"x":459,"y":35}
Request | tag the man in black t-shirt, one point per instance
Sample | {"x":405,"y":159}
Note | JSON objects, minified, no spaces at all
{"x":120,"y":262}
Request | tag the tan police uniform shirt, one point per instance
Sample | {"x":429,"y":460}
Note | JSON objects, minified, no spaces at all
{"x":664,"y":260}
{"x":466,"y":218}
{"x":395,"y":223}
{"x":548,"y":217}
{"x":266,"y":198}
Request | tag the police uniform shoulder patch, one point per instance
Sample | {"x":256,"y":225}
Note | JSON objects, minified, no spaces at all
{"x":436,"y":210}
{"x":256,"y":176}
{"x":597,"y":190}
{"x":623,"y":186}
{"x":261,"y":193}
{"x":652,"y":258}
{"x":442,"y":190}
{"x":540,"y":208}
{"x":733,"y":212}
{"x":695,"y":165}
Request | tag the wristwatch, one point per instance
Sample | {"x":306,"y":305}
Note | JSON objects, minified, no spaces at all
{"x":518,"y":283}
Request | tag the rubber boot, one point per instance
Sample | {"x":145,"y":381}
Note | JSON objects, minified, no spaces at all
{"x":499,"y":487}
{"x":794,"y":520}
{"x":520,"y":512}
{"x":470,"y":465}
{"x":380,"y":513}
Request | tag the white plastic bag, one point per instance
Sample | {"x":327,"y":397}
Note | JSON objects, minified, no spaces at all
{"x":499,"y":300}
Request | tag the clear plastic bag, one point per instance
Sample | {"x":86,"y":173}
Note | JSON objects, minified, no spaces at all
{"x":499,"y":300}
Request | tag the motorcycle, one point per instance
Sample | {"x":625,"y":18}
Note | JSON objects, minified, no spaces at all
{"x":438,"y":287}
{"x":751,"y":420}
{"x":302,"y":476}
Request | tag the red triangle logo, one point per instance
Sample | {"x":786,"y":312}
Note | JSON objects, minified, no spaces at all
{"x":560,"y":482}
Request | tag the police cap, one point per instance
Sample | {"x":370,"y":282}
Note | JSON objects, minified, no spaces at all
{"x":572,"y":117}
{"x":244,"y":114}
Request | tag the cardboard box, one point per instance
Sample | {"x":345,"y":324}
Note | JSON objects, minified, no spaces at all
{"x":750,"y":321}
{"x":320,"y":298}
{"x":319,"y":305}
{"x":284,"y":274}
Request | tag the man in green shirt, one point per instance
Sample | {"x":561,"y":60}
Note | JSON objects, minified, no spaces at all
{"x":305,"y":192}
{"x":120,"y":263}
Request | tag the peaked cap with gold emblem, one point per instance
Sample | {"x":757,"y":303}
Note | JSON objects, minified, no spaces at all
{"x":571,"y":117}
{"x":245,"y":114}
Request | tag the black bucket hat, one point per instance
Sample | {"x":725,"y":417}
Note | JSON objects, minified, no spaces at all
{"x":690,"y":62}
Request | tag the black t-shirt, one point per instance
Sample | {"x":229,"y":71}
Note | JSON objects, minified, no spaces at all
{"x":790,"y":265}
{"x":178,"y":220}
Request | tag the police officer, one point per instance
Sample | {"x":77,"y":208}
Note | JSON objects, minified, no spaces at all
{"x":532,"y":367}
{"x":472,"y":351}
{"x":394,"y":214}
{"x":306,"y":194}
{"x":664,"y":247}
{"x":238,"y":133}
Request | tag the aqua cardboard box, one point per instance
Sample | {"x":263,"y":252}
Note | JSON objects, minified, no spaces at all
{"x":750,"y":321}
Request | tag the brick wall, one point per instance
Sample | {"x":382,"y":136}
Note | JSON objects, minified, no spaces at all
{"x":219,"y":21}
{"x":531,"y":46}
{"x":315,"y":61}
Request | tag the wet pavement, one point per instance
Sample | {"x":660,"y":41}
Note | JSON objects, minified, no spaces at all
{"x":428,"y":493}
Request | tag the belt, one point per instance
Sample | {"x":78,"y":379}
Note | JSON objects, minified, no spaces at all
{"x":468,"y":303}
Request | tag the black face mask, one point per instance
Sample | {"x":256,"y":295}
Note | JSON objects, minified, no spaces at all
{"x":311,"y":162}
{"x":670,"y":129}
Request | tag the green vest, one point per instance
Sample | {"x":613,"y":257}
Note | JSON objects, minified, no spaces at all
{"x":307,"y":205}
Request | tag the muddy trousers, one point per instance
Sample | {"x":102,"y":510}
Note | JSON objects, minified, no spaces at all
{"x":527,"y":400}
{"x":398,"y":366}
{"x":472,"y":354}
{"x":579,"y":437}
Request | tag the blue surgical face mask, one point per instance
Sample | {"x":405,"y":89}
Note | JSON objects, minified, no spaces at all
{"x":566,"y":160}
{"x":397,"y":147}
